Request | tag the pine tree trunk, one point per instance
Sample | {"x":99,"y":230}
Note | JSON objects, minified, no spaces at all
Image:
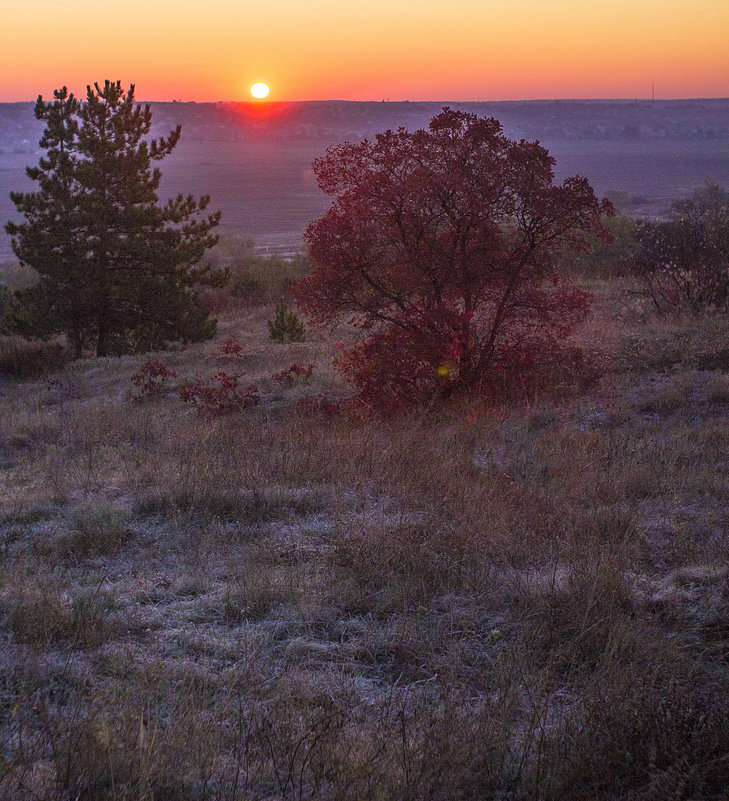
{"x":102,"y":341}
{"x":74,"y":335}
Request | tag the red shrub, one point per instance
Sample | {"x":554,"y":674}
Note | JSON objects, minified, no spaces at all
{"x":294,"y":372}
{"x":150,"y":380}
{"x":443,"y":246}
{"x":324,"y":405}
{"x":231,"y":347}
{"x":220,"y":394}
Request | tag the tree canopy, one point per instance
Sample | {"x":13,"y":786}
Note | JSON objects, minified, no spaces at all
{"x":117,"y":268}
{"x":443,"y":246}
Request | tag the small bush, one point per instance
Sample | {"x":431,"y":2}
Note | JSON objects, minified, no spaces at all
{"x":294,"y":373}
{"x":93,"y":531}
{"x":254,"y":279}
{"x":324,"y":404}
{"x":150,"y":380}
{"x":683,"y":264}
{"x":231,"y":347}
{"x":285,"y":325}
{"x":261,"y":279}
{"x":606,"y":259}
{"x":220,"y":394}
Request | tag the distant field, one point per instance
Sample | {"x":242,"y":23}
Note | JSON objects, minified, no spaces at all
{"x":262,"y":180}
{"x":265,"y":190}
{"x":656,"y":173}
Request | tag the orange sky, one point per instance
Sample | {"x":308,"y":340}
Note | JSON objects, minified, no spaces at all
{"x":368,"y":49}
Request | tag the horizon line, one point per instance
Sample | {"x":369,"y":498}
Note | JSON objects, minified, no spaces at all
{"x":269,"y":102}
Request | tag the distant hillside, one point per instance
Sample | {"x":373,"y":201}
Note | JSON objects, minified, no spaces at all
{"x":695,"y":121}
{"x":255,"y":158}
{"x":629,"y":121}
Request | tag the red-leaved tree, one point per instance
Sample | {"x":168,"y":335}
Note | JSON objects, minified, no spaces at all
{"x":443,"y":246}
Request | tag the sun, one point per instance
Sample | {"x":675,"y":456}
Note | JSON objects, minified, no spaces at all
{"x":260,"y":90}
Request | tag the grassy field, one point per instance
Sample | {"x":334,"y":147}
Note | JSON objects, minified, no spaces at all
{"x":528,"y":601}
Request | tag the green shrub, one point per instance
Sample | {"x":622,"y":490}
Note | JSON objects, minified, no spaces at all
{"x":263,"y":278}
{"x":256,"y":278}
{"x":285,"y":324}
{"x":607,"y":258}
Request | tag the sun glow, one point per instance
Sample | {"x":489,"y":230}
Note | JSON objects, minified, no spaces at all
{"x":260,"y":90}
{"x":330,"y":49}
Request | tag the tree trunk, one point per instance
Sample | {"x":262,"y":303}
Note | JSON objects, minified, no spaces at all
{"x":76,"y":340}
{"x":102,"y":341}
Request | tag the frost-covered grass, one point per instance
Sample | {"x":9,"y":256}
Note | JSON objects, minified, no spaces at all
{"x":519,"y":602}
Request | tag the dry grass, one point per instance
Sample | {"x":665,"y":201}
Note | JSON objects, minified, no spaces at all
{"x":20,"y":359}
{"x":523,"y":602}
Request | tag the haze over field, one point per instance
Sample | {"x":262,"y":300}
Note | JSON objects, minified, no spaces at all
{"x":255,"y":160}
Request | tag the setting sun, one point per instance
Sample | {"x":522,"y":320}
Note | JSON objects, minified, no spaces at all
{"x":260,"y":90}
{"x":393,"y":49}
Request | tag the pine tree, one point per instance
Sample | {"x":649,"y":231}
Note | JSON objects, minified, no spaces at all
{"x":285,"y":324}
{"x":117,"y":268}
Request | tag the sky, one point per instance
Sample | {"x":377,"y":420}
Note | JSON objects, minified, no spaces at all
{"x":456,"y":50}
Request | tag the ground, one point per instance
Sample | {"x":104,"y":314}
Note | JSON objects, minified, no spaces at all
{"x":521,"y":601}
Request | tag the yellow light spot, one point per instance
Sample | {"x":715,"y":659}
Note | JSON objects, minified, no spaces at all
{"x":444,"y":371}
{"x":260,"y":90}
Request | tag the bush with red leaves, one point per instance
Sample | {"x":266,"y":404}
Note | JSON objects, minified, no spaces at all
{"x":231,"y":347}
{"x":151,"y":380}
{"x":219,"y":395}
{"x":443,"y":246}
{"x":295,"y":372}
{"x":323,"y":405}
